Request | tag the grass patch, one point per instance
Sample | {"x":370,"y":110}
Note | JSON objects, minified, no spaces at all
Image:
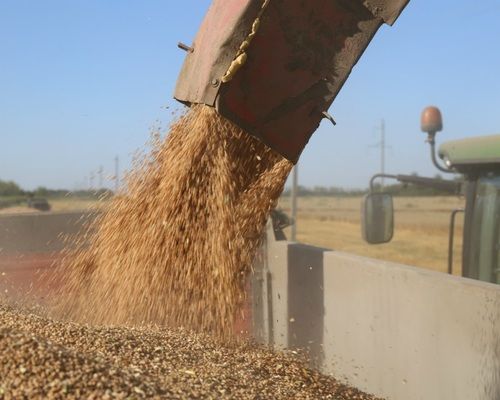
{"x":420,"y":232}
{"x":11,"y":201}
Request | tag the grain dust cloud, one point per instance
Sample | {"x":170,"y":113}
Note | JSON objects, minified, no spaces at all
{"x":176,"y":247}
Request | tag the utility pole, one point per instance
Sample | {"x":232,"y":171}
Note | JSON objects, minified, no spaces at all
{"x":383,"y":147}
{"x":294,"y":194}
{"x":100,"y":172}
{"x":91,"y":180}
{"x":117,"y":174}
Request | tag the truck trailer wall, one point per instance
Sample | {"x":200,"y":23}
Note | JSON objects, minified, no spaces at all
{"x":395,"y":331}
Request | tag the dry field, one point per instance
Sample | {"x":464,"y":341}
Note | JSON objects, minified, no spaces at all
{"x":420,"y":234}
{"x":57,"y":205}
{"x":420,"y":237}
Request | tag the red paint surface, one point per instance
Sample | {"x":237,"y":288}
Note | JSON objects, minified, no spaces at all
{"x":243,"y":322}
{"x":295,"y":48}
{"x":24,"y":275}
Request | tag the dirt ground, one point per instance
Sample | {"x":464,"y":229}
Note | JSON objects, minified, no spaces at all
{"x":420,"y":233}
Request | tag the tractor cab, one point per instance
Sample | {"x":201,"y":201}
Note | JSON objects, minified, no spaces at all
{"x":475,"y":165}
{"x":478,"y":160}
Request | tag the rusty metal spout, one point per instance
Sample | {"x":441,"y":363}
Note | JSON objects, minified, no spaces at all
{"x":274,"y":67}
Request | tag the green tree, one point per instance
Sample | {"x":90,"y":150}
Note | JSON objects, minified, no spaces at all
{"x":41,"y":191}
{"x":10,"y":188}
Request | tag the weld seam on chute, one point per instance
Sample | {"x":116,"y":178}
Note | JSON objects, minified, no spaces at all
{"x":241,"y":56}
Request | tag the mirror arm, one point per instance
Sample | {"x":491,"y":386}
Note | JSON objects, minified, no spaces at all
{"x":449,"y":186}
{"x":374,"y":177}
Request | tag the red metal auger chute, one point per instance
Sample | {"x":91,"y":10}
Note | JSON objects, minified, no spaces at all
{"x":274,"y":67}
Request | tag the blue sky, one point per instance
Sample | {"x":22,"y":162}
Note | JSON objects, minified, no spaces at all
{"x":82,"y":81}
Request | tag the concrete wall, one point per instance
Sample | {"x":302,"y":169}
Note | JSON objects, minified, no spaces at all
{"x":391,"y":330}
{"x":38,"y":232}
{"x":407,"y":333}
{"x":30,"y":246}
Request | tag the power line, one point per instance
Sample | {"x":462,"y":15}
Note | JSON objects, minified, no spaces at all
{"x":100,"y":172}
{"x":91,"y":180}
{"x":117,"y":173}
{"x":383,"y":147}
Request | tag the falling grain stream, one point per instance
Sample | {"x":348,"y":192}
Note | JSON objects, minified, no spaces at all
{"x":152,"y":289}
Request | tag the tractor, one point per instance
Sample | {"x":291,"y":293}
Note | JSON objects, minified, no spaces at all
{"x":475,"y":164}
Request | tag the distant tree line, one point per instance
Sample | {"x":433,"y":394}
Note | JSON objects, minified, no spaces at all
{"x":10,"y":188}
{"x":396,"y":189}
{"x":60,"y":193}
{"x":12,"y":194}
{"x":323,"y":191}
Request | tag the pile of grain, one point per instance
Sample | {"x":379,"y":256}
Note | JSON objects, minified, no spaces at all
{"x":45,"y":359}
{"x":176,"y":247}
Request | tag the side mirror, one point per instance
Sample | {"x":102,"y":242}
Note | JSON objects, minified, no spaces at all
{"x":377,"y":215}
